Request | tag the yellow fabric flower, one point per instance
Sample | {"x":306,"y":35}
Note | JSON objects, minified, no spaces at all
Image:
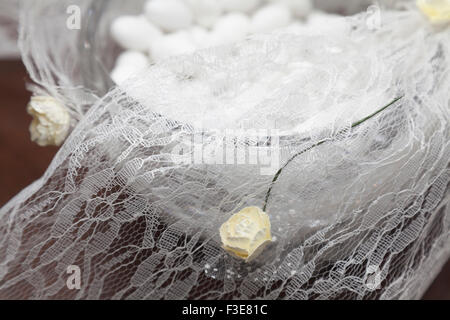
{"x":438,"y":11}
{"x":51,"y":121}
{"x":246,"y":233}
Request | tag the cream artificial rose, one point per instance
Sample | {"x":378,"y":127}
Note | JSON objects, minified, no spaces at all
{"x":246,"y":233}
{"x":438,"y":11}
{"x":51,"y":121}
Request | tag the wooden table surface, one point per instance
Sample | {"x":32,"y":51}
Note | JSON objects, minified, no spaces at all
{"x":22,"y":162}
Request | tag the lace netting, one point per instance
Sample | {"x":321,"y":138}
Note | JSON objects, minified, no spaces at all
{"x":363,"y":216}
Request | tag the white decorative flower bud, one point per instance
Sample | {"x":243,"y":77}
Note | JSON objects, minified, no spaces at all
{"x":51,"y":121}
{"x":438,"y":11}
{"x":246,"y":233}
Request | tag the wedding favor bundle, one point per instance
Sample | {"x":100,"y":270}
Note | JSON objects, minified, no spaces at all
{"x":306,"y":165}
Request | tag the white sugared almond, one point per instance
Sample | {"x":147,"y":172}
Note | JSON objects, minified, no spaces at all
{"x":134,"y":32}
{"x":244,"y":6}
{"x":169,"y":15}
{"x":127,"y":64}
{"x":206,"y":12}
{"x":271,"y":17}
{"x":230,"y":28}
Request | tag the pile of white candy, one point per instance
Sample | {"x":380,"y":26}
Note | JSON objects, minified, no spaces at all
{"x":173,"y":27}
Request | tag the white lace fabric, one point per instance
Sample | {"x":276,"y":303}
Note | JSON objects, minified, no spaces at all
{"x":370,"y":203}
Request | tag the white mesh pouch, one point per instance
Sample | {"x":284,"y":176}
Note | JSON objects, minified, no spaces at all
{"x":362,"y":215}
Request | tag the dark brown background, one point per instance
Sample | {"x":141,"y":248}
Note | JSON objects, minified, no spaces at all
{"x":22,"y":162}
